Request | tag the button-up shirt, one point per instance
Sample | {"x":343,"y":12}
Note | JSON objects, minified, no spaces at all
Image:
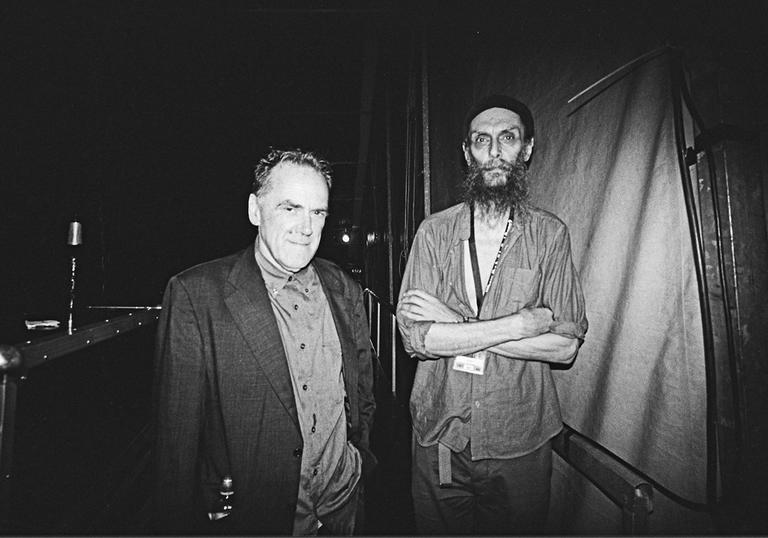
{"x":330,"y":466}
{"x":512,"y":409}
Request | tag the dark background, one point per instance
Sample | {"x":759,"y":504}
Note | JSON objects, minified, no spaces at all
{"x":143,"y":119}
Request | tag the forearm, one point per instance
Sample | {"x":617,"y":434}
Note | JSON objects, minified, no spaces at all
{"x":450,"y":339}
{"x":548,"y":347}
{"x":502,"y":336}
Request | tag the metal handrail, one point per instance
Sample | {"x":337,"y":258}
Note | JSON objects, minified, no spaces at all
{"x":624,"y":485}
{"x":15,"y":360}
{"x":375,"y":300}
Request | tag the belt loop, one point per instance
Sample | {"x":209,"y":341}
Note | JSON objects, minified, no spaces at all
{"x":444,"y":465}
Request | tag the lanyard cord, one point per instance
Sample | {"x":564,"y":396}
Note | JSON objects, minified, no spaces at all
{"x":479,"y":291}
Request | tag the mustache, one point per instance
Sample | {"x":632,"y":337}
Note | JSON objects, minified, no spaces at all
{"x":496,"y":164}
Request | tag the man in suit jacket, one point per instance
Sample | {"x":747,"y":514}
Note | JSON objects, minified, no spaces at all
{"x":264,"y":375}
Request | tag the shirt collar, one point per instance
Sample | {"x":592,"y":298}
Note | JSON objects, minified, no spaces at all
{"x":522,"y":214}
{"x":462,"y":223}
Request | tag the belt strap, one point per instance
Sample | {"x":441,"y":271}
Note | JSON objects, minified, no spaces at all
{"x":444,"y":465}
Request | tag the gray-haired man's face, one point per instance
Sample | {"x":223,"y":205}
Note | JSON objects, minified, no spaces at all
{"x":290,"y":214}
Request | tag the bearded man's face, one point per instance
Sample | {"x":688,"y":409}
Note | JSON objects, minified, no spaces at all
{"x":496,"y":151}
{"x":496,"y":185}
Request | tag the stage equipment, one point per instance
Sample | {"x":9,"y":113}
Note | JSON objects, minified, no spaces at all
{"x":74,"y":240}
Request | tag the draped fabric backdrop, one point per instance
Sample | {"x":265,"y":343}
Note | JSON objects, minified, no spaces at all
{"x":610,"y":171}
{"x":638,"y":386}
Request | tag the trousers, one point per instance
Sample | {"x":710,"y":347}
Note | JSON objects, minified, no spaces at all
{"x":488,"y":496}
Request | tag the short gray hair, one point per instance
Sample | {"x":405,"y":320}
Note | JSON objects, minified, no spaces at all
{"x":292,"y":156}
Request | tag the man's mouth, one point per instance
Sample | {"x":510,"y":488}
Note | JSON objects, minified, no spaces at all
{"x":500,"y":165}
{"x":494,"y":173}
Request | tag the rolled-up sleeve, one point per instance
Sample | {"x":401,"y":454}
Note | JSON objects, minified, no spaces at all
{"x":561,"y":289}
{"x":421,"y":272}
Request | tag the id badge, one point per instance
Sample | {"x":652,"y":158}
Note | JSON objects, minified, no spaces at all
{"x":474,"y":364}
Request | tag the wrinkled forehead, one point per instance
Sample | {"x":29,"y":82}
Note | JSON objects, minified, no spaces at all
{"x":496,"y":119}
{"x":288,"y":172}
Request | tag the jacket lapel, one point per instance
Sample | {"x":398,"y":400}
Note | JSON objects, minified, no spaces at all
{"x":250,"y":307}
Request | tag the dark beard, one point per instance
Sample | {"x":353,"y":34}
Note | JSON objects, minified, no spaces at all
{"x":500,"y":198}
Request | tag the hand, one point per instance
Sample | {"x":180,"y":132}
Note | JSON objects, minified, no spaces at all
{"x":533,"y":321}
{"x":417,"y":305}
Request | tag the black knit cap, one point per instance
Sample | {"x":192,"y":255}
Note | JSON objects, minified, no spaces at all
{"x":501,"y":101}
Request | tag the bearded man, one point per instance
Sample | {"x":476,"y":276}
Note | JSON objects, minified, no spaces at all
{"x":489,"y":300}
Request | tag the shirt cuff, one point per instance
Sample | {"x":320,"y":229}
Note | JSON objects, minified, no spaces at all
{"x":568,"y":329}
{"x":418,"y":334}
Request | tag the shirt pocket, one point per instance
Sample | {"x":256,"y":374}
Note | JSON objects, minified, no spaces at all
{"x":521,"y":289}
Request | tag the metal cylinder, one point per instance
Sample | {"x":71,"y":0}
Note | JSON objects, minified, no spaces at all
{"x":75,"y":235}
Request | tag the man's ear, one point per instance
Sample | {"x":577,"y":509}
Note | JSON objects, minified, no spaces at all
{"x":528,"y":150}
{"x":467,"y":155}
{"x":254,"y":213}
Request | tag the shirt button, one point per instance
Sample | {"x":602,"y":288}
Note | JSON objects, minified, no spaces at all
{"x":297,"y":452}
{"x":314,"y":473}
{"x":295,"y":307}
{"x":313,"y":429}
{"x":306,"y":290}
{"x":304,"y":386}
{"x":290,"y":277}
{"x":477,"y":404}
{"x":303,"y":345}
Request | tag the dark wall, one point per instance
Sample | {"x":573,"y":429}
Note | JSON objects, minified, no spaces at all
{"x":143,"y":119}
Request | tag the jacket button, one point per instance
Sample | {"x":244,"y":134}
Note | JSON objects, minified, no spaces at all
{"x":297,"y":453}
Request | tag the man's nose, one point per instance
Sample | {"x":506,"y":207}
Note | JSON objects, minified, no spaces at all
{"x":493,"y":149}
{"x":305,"y":225}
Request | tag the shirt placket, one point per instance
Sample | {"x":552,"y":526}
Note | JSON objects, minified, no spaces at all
{"x":479,"y":427}
{"x":300,"y":308}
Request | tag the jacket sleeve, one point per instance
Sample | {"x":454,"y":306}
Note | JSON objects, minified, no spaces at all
{"x":178,"y":398}
{"x":365,"y":397}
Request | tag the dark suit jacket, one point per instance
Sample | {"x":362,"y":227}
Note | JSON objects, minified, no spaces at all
{"x":224,"y":400}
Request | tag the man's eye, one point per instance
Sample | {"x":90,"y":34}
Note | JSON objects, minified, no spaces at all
{"x":482,"y":139}
{"x":319,"y":212}
{"x":510,"y":137}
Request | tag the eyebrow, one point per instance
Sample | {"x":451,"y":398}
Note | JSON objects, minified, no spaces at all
{"x":296,"y":205}
{"x":514,"y":128}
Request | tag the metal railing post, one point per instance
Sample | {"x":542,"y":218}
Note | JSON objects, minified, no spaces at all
{"x":370,"y":310}
{"x":11,"y":364}
{"x":394,"y":357}
{"x":8,"y":391}
{"x":371,"y":298}
{"x":378,"y":328}
{"x":635,"y":511}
